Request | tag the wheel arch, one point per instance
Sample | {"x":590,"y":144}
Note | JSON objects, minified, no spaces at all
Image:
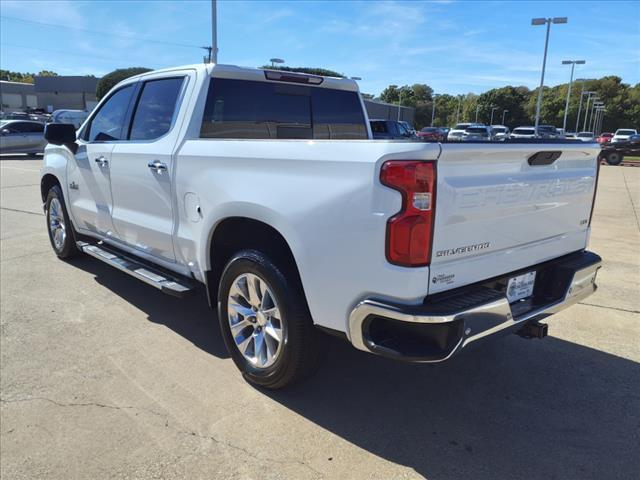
{"x":47,"y":181}
{"x":235,"y":233}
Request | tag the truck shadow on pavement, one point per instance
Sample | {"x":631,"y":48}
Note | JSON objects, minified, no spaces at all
{"x":510,"y":409}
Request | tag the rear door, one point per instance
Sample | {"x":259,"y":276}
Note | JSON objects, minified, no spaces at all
{"x":142,"y":166}
{"x":500,"y":208}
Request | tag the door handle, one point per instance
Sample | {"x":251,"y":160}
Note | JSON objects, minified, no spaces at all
{"x":158,"y":166}
{"x":102,"y":162}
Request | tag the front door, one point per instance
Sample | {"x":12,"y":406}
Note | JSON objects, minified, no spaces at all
{"x":89,"y":175}
{"x":142,"y":168}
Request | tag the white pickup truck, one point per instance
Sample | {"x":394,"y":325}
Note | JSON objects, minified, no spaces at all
{"x":267,"y":188}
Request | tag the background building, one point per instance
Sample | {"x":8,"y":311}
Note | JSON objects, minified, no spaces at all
{"x":15,"y":96}
{"x":73,"y":93}
{"x":389,"y":111}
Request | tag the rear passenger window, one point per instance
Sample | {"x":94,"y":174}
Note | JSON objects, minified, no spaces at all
{"x":156,"y":107}
{"x":264,"y":110}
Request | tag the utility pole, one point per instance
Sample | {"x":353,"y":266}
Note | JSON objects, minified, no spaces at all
{"x":213,"y":57}
{"x":548,"y":22}
{"x":477,"y":109}
{"x":573,"y":63}
{"x":504,"y":112}
{"x":458,"y":111}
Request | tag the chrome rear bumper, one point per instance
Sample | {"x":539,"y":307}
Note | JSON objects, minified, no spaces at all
{"x":469,"y":316}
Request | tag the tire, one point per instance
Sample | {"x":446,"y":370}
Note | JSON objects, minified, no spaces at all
{"x":614,"y":158}
{"x":255,"y":333}
{"x":59,"y":228}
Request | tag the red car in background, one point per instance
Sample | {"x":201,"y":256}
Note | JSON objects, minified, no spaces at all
{"x":604,"y":138}
{"x":431,"y":134}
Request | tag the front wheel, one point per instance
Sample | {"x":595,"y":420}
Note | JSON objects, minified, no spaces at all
{"x":265,"y":321}
{"x":59,"y":226}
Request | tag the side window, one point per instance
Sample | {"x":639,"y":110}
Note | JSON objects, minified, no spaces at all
{"x":249,"y":109}
{"x":18,"y":127}
{"x":36,"y":128}
{"x":263,"y":110}
{"x":108,"y":123}
{"x":156,"y":106}
{"x":379,"y":127}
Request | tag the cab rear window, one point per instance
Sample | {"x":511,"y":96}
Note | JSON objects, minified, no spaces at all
{"x":265,"y":110}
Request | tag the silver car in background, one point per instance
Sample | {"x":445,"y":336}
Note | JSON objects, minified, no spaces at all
{"x":456,"y":134}
{"x":499,"y":132}
{"x":477,"y":133}
{"x":21,"y":136}
{"x":523,"y":132}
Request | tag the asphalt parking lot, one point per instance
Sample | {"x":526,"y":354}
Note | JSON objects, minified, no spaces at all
{"x":104,"y":377}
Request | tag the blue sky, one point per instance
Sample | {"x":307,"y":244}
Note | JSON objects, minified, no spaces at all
{"x":454,"y":46}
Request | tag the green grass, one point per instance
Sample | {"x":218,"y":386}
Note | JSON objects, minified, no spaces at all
{"x":631,"y":159}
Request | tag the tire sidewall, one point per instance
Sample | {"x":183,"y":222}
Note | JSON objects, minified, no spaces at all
{"x":614,"y":158}
{"x":68,"y":248}
{"x":255,"y":262}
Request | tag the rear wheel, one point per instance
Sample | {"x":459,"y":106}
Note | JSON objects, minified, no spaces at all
{"x":265,"y":322}
{"x":614,"y":158}
{"x":61,"y":234}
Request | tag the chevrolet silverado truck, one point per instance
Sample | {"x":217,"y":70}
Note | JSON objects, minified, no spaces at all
{"x":266,"y":190}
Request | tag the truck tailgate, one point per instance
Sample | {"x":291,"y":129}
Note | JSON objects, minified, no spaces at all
{"x":500,"y":209}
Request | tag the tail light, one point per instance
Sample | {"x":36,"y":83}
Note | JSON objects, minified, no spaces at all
{"x":410,"y":231}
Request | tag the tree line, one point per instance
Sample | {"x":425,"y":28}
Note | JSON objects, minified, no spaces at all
{"x":622,"y":103}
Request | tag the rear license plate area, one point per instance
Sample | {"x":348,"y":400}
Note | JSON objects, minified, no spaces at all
{"x":521,"y":286}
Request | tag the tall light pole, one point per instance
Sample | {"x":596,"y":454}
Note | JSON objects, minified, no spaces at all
{"x":214,"y":31}
{"x":493,"y":109}
{"x":399,"y":104}
{"x":548,"y":22}
{"x":275,"y":60}
{"x":458,"y":111}
{"x":582,"y":94}
{"x":573,"y":63}
{"x":588,"y":113}
{"x":504,"y":112}
{"x":477,"y":110}
{"x":586,"y":110}
{"x":592,"y":121}
{"x":433,"y":108}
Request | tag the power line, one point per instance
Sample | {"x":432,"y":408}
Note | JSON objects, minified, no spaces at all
{"x":101,"y":32}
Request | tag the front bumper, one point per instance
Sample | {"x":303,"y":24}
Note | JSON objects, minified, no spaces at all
{"x":448,"y":322}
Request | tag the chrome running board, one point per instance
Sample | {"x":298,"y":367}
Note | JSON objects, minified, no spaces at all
{"x":168,"y":283}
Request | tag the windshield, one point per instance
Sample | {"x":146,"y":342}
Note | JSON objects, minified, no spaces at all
{"x":429,"y":129}
{"x":524,"y":131}
{"x":625,"y":132}
{"x":499,"y":129}
{"x":585,"y":135}
{"x":461,"y":126}
{"x":482,"y":130}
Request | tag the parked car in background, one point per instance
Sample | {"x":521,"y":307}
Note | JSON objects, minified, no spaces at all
{"x":623,"y":134}
{"x":561,"y":133}
{"x":499,"y":132}
{"x":431,"y":134}
{"x":586,"y":137}
{"x":570,"y":135}
{"x":457,"y":132}
{"x":477,"y":133}
{"x":21,"y":136}
{"x":614,"y":153}
{"x":548,"y":131}
{"x":75,"y":117}
{"x":523,"y":132}
{"x":389,"y":130}
{"x":604,"y":138}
